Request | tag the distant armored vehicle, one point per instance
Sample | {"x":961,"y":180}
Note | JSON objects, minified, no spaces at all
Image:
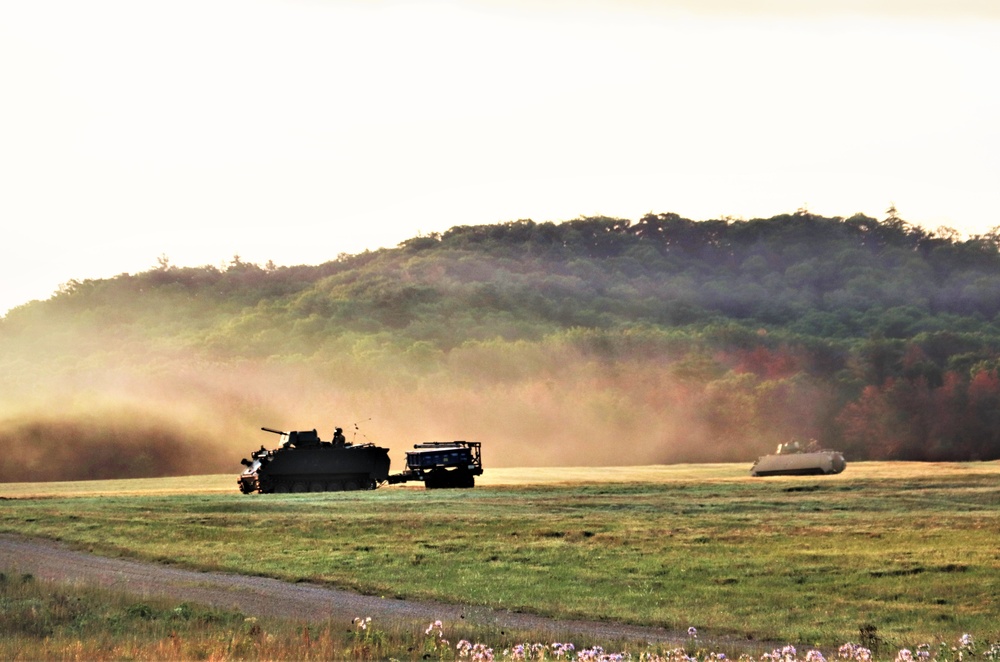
{"x":303,"y":463}
{"x":793,"y":460}
{"x":443,"y":464}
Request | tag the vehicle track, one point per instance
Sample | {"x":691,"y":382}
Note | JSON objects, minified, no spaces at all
{"x":262,"y":596}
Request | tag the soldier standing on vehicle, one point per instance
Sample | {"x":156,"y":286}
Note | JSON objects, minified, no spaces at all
{"x":338,"y":437}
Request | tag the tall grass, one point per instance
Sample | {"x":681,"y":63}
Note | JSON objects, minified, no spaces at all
{"x":41,"y":620}
{"x":44,"y":621}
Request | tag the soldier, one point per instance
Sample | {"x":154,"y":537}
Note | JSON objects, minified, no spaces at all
{"x":338,"y":437}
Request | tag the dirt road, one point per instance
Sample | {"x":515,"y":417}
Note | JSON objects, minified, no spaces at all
{"x":259,"y":596}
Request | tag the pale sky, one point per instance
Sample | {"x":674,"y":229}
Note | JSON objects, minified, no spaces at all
{"x":295,"y":130}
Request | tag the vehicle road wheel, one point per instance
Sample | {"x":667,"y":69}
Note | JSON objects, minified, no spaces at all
{"x":317,"y":487}
{"x":299,"y":487}
{"x":351,"y":485}
{"x":281,"y":488}
{"x":334,"y":486}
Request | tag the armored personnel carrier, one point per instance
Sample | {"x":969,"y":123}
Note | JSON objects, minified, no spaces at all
{"x":304,"y":463}
{"x":793,"y":459}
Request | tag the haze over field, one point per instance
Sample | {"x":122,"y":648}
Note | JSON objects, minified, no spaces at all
{"x":595,"y":342}
{"x":295,"y":131}
{"x":527,"y":409}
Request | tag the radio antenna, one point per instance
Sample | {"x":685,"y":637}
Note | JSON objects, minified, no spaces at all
{"x":358,"y":431}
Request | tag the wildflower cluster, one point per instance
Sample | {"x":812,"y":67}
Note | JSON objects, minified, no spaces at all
{"x":854,"y":653}
{"x":558,"y":651}
{"x":526,"y":652}
{"x":475,"y":652}
{"x":367,"y":640}
{"x":677,"y":655}
{"x":469,"y":651}
{"x":436,"y":640}
{"x":597,"y":654}
{"x":787,"y":654}
{"x":966,"y":647}
{"x":561,"y":650}
{"x":436,"y":625}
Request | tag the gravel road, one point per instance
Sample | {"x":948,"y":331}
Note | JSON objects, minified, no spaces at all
{"x":259,"y":596}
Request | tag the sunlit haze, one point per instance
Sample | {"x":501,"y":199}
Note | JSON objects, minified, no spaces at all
{"x":296,"y":130}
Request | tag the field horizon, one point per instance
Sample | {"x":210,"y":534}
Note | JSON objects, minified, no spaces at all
{"x":504,"y":476}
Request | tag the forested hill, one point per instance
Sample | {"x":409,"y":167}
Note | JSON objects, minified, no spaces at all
{"x":593,"y":340}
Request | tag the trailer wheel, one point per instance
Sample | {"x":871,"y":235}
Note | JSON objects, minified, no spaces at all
{"x":462,"y":479}
{"x":444,"y":479}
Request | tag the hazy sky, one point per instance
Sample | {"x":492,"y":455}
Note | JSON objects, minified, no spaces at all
{"x":299,"y":129}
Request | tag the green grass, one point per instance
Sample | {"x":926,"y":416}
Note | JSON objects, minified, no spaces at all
{"x":909,"y":549}
{"x":45,"y":621}
{"x":41,"y":620}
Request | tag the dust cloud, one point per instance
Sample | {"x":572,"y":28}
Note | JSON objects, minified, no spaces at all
{"x":48,"y":448}
{"x":187,"y":415}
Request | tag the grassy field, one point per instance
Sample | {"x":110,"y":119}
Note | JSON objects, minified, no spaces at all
{"x":908,"y":551}
{"x":45,"y":621}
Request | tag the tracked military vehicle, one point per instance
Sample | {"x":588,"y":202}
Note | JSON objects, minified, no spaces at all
{"x":304,"y":463}
{"x":793,"y":459}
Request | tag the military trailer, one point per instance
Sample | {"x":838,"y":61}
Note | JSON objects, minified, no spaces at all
{"x":793,"y":459}
{"x":305,"y":463}
{"x":443,"y":464}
